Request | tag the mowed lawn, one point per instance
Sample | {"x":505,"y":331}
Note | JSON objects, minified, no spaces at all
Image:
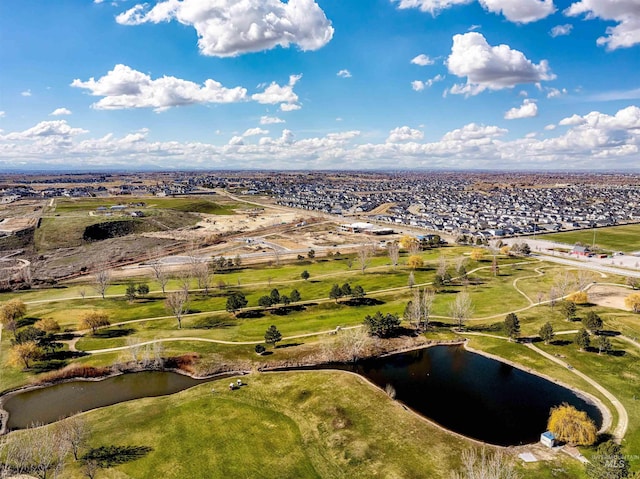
{"x":615,"y":238}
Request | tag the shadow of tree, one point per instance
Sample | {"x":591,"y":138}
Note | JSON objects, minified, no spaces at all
{"x":363,"y":302}
{"x":211,"y":323}
{"x":288,"y":345}
{"x":250,"y":314}
{"x":109,"y":456}
{"x":284,"y":310}
{"x":113,"y":333}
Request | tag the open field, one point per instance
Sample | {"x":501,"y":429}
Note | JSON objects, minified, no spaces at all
{"x":624,"y":238}
{"x":296,"y":421}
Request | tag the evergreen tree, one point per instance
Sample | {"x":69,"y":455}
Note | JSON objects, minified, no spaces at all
{"x":546,"y":332}
{"x":335,"y":293}
{"x":592,"y":322}
{"x":294,"y":296}
{"x":582,"y":339}
{"x":512,"y":325}
{"x":272,"y":335}
{"x":235,"y":302}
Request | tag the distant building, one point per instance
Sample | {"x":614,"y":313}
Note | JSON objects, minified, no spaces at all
{"x":580,"y":250}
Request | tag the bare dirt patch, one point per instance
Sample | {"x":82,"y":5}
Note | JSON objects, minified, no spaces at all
{"x":609,"y":296}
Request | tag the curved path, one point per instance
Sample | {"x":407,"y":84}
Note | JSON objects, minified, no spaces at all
{"x":217,"y":341}
{"x":623,"y":418}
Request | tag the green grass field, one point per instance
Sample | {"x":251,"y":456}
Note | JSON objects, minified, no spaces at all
{"x":615,"y":238}
{"x":387,"y":443}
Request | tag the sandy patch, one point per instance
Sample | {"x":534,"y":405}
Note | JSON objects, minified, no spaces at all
{"x":609,"y":296}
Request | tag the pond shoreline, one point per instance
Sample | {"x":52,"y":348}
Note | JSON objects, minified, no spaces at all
{"x":607,"y":417}
{"x":301,"y":367}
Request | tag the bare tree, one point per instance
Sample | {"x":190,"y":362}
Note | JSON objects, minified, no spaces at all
{"x":82,"y":292}
{"x":564,"y":283}
{"x":426,"y":305}
{"x":200,"y":271}
{"x":554,"y":295}
{"x":276,"y":256}
{"x":134,"y":348}
{"x":418,"y":310}
{"x":102,"y":279}
{"x":90,"y":468}
{"x":39,"y":451}
{"x":75,"y":432}
{"x":364,"y":254}
{"x":184,"y":280}
{"x":158,"y":351}
{"x":161,"y":274}
{"x":176,"y":303}
{"x":393,"y":249}
{"x":461,"y":309}
{"x":411,"y":281}
{"x":584,"y":278}
{"x":442,"y":266}
{"x":352,"y":343}
{"x":414,"y":247}
{"x":412,"y":310}
{"x":484,"y":465}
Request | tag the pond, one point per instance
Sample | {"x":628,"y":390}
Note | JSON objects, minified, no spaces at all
{"x":473,"y":395}
{"x":46,"y":405}
{"x":464,"y":392}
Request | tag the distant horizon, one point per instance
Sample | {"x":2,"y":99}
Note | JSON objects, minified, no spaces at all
{"x":114,"y":170}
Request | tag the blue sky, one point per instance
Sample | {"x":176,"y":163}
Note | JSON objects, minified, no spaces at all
{"x":326,"y":84}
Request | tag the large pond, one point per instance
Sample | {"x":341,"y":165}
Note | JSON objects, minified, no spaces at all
{"x":463,"y":391}
{"x":49,"y":404}
{"x":473,"y":395}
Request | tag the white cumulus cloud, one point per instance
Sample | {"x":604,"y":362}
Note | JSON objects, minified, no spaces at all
{"x":626,"y":12}
{"x":554,"y":92}
{"x":344,"y":74}
{"x":255,"y":132}
{"x":270,"y":120}
{"x":596,"y":141}
{"x":419,"y":85}
{"x":44,"y":129}
{"x":275,"y":93}
{"x":228,"y":28}
{"x":572,"y":120}
{"x":404,"y":133}
{"x":491,"y":67}
{"x":520,"y":11}
{"x":124,"y":87}
{"x":422,"y":60}
{"x":60,"y":112}
{"x":561,"y":30}
{"x":26,"y":93}
{"x":431,"y":6}
{"x":528,"y":109}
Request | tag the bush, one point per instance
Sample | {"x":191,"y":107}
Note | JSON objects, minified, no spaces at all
{"x":260,"y":349}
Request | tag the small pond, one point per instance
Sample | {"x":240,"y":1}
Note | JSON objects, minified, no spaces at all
{"x":46,"y":405}
{"x":473,"y":395}
{"x":465,"y":392}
